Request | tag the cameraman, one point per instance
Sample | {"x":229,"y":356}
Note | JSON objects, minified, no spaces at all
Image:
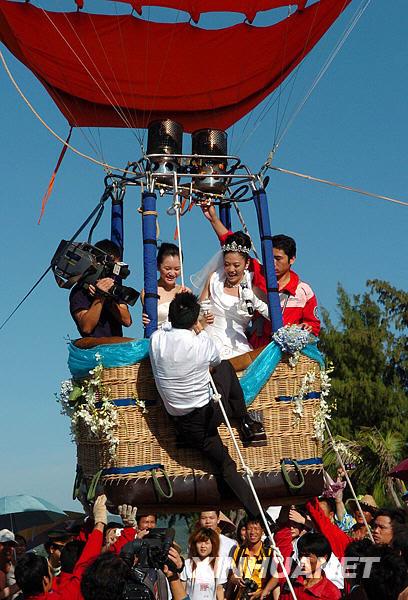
{"x":107,"y":577}
{"x":250,"y":564}
{"x":96,"y":314}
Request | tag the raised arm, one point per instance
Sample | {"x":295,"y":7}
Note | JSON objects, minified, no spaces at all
{"x":210,"y":213}
{"x":128,"y":516}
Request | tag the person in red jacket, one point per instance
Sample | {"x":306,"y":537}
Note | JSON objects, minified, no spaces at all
{"x":33,"y":574}
{"x":298,"y":302}
{"x":70,"y":555}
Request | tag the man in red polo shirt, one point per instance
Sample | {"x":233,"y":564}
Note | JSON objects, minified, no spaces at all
{"x":298,"y":302}
{"x":314,"y":552}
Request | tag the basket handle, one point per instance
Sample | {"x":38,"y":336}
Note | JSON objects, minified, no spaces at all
{"x":92,"y":488}
{"x":77,"y":482}
{"x":157,"y":484}
{"x":298,"y":470}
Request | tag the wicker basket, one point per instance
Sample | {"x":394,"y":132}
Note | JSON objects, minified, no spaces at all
{"x":149,"y":438}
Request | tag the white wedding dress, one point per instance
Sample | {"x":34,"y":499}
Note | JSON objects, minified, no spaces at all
{"x":162,"y":313}
{"x":230,"y":322}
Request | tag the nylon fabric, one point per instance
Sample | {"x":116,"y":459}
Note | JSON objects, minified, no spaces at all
{"x":78,"y":59}
{"x":196,"y":7}
{"x":262,"y":211}
{"x":117,"y":224}
{"x":80,"y":361}
{"x":258,"y":372}
{"x":150,"y":261}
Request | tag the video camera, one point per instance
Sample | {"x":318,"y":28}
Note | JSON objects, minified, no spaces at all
{"x":151,"y":553}
{"x":80,"y":262}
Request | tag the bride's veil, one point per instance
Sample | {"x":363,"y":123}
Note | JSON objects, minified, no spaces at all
{"x":199,"y":279}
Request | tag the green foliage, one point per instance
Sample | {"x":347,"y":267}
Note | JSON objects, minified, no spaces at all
{"x":369,"y":382}
{"x":395,"y":303}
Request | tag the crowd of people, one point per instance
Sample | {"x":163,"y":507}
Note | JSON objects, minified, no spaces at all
{"x":97,"y":560}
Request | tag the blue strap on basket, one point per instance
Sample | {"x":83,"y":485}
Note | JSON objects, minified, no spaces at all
{"x":138,"y":469}
{"x":129,"y":402}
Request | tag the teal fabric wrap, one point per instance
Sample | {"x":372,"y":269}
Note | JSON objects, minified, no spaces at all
{"x":80,"y":362}
{"x":258,"y":372}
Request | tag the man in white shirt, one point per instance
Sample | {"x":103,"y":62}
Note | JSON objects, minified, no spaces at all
{"x":181,"y":355}
{"x":211,"y":520}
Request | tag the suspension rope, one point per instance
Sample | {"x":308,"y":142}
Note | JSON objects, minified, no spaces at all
{"x":341,"y":463}
{"x":176,"y":207}
{"x":112,"y":101}
{"x":241,"y":218}
{"x":98,"y":162}
{"x":106,"y":194}
{"x":338,"y":185}
{"x":291,"y":80}
{"x":323,"y":70}
{"x":249,"y":474}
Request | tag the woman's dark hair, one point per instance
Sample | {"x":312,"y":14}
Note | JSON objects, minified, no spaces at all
{"x":396,"y":515}
{"x":105,"y":578}
{"x":314,"y":543}
{"x":357,"y":552}
{"x":240,"y":239}
{"x":184,"y":310}
{"x":241,"y":524}
{"x":108,"y":527}
{"x":30,"y":572}
{"x":400,"y":541}
{"x":202,"y":535}
{"x":166,"y":249}
{"x":388,"y":577}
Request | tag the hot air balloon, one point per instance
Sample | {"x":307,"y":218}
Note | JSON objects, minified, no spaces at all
{"x":124,"y":71}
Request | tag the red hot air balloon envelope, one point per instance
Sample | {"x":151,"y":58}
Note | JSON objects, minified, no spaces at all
{"x":123,"y":71}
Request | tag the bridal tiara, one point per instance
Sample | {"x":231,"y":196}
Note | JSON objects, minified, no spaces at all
{"x":234,"y":247}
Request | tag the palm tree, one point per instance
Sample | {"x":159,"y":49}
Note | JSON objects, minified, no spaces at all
{"x":373,"y":455}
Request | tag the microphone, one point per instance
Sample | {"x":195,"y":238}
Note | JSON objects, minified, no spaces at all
{"x":247,"y":297}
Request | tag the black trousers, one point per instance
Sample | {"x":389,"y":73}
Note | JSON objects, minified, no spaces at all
{"x":200,"y":428}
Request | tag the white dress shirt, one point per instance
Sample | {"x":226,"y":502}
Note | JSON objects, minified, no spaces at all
{"x":180,"y":361}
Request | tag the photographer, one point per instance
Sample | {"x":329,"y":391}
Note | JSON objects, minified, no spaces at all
{"x":95,"y":313}
{"x":250,"y":565}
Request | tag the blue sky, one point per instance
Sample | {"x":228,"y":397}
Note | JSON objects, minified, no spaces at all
{"x":353,"y":130}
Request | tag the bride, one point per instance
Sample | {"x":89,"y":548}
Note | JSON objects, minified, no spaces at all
{"x":229,"y":299}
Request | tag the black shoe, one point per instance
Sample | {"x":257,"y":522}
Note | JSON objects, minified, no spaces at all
{"x":253,"y":432}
